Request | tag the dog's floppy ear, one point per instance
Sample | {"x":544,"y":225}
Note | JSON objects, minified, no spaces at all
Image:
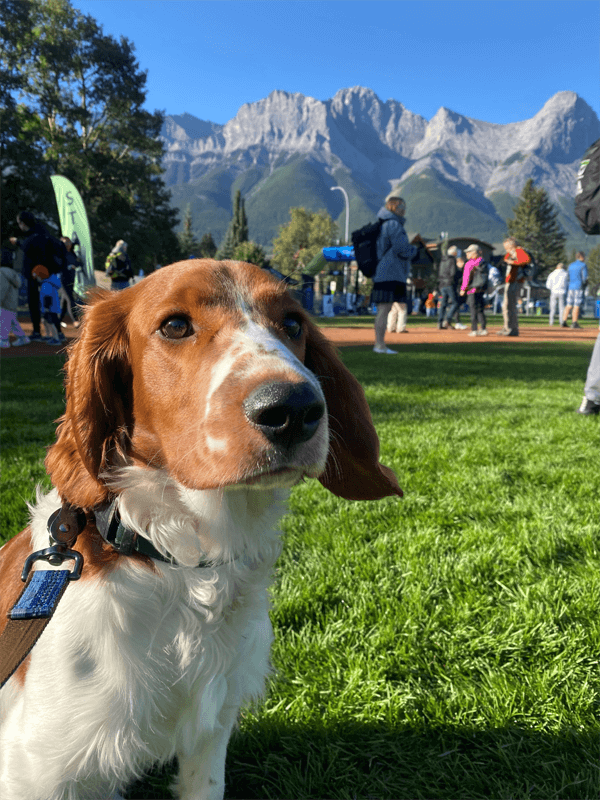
{"x":353,"y":470}
{"x":94,"y":432}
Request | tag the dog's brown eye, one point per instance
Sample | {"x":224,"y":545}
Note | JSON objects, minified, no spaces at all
{"x":292,"y":326}
{"x":176,"y":328}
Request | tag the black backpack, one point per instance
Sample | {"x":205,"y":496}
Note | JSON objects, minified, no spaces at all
{"x":55,"y":255}
{"x":587,"y":197}
{"x":365,"y":247}
{"x":478,"y":279}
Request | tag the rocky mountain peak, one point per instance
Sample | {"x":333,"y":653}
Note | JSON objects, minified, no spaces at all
{"x":375,"y":145}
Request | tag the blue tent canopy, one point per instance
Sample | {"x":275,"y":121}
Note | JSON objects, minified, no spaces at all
{"x":343,"y":253}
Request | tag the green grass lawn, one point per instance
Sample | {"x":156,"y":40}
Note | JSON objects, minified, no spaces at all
{"x":441,"y":646}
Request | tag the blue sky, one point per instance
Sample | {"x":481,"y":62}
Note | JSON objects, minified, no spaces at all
{"x":493,"y":60}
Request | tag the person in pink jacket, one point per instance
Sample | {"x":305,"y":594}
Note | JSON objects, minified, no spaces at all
{"x":474,"y":285}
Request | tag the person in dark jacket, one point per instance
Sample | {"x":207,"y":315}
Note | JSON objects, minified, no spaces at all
{"x":449,"y":278}
{"x":394,"y":254}
{"x":34,"y":253}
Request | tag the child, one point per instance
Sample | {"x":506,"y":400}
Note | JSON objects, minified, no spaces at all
{"x":10,"y":282}
{"x":50,"y":305}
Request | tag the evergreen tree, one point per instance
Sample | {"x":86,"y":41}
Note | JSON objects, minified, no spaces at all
{"x":207,"y":248}
{"x":188,"y":243}
{"x":536,"y":228}
{"x":242,"y":220}
{"x":72,"y":100}
{"x":237,"y":231}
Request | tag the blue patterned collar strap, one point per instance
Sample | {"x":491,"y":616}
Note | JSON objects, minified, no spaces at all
{"x":41,"y":594}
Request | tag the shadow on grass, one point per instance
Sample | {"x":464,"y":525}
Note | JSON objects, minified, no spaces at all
{"x":378,"y":761}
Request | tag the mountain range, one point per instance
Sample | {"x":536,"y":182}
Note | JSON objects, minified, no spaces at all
{"x":457,"y":174}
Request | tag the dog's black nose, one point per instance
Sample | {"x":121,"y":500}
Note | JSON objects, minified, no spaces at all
{"x":287,"y":413}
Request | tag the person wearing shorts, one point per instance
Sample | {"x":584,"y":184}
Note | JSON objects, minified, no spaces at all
{"x":578,"y":276}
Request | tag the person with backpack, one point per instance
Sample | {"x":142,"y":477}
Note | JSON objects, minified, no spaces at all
{"x":118,"y":267}
{"x":474,"y":286}
{"x":517,"y":260}
{"x":578,"y":275}
{"x":394,"y":254}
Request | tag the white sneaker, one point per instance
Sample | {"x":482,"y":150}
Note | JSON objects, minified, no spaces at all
{"x":385,"y":350}
{"x":4,"y":343}
{"x":460,"y":327}
{"x":472,"y":333}
{"x":21,"y":341}
{"x":482,"y":332}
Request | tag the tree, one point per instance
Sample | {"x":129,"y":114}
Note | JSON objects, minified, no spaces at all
{"x":536,"y":228}
{"x":593,"y":266}
{"x":74,"y":98}
{"x":237,"y":232}
{"x":251,"y":252}
{"x":207,"y":248}
{"x":188,"y":243}
{"x":302,"y":238}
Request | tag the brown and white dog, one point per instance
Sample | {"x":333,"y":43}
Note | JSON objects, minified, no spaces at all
{"x":195,"y":399}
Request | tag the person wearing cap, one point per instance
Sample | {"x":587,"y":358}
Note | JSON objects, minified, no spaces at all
{"x":474,"y":285}
{"x":516,"y":259}
{"x":118,"y":267}
{"x":449,"y":278}
{"x":394,"y":254}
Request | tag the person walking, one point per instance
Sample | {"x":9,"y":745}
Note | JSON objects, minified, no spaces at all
{"x":557,"y":284}
{"x":578,"y":275}
{"x":516,"y":259}
{"x":448,"y":283}
{"x":394,"y":254}
{"x":118,"y":267}
{"x":34,"y":247}
{"x":474,"y":286}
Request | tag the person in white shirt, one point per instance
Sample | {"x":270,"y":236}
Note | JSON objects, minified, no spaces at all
{"x":557,"y":283}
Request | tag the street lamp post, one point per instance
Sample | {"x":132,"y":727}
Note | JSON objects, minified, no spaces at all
{"x":345,"y":193}
{"x":346,"y":240}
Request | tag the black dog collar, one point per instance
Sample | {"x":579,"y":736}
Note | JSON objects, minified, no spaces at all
{"x":126,"y":541}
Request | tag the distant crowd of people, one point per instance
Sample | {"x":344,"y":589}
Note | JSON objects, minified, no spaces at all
{"x":468,"y":279}
{"x":47,"y":266}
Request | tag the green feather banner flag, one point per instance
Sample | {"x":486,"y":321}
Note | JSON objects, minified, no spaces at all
{"x":74,"y":224}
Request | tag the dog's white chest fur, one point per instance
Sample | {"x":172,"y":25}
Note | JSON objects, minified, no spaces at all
{"x":144,"y":665}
